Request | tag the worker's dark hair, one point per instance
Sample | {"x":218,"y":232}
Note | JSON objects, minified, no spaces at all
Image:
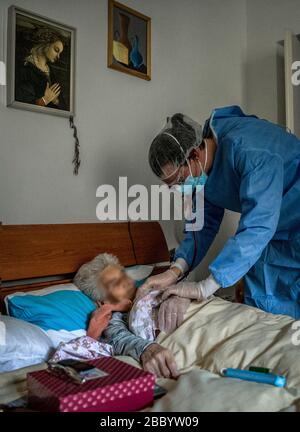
{"x":207,"y":132}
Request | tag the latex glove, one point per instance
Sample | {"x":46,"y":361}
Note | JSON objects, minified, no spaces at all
{"x":159,"y":361}
{"x":193,"y":290}
{"x":171,"y":313}
{"x":159,"y":282}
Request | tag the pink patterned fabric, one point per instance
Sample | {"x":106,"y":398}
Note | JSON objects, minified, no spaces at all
{"x":82,"y":348}
{"x":143,"y":316}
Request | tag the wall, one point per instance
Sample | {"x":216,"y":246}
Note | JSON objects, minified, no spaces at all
{"x":198,"y":51}
{"x":267,"y":21}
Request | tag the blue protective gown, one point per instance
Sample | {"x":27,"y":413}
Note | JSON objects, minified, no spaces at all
{"x":256,"y":172}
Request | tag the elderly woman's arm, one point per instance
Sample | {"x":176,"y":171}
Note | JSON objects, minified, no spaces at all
{"x":154,"y":358}
{"x":122,"y":340}
{"x":102,"y":316}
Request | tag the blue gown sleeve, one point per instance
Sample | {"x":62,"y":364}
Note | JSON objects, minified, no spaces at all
{"x":261,"y":188}
{"x":122,"y":340}
{"x":213,"y":216}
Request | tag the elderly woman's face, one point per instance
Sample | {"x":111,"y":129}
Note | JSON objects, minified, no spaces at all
{"x":54,"y":51}
{"x":117,"y":284}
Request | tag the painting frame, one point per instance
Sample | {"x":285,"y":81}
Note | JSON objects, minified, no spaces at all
{"x":11,"y":101}
{"x":111,"y":63}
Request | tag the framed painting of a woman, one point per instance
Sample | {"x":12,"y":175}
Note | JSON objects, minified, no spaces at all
{"x":40,"y":63}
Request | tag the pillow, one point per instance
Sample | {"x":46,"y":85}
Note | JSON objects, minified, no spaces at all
{"x":21,"y":344}
{"x":139,"y":273}
{"x":62,"y":311}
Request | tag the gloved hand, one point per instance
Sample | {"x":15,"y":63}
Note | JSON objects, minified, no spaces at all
{"x":171,"y":313}
{"x":193,"y":290}
{"x":159,"y":282}
{"x":159,"y":361}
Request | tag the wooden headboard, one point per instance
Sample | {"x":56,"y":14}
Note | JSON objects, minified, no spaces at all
{"x":39,"y":251}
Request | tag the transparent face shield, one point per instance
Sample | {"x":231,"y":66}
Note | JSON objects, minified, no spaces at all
{"x":190,"y":193}
{"x":188,"y":189}
{"x":185,"y":135}
{"x":180,"y":179}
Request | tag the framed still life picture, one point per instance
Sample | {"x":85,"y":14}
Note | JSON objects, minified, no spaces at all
{"x":129,"y":41}
{"x":40,"y":63}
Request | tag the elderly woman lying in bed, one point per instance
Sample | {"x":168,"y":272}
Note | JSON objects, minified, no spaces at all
{"x":124,"y":319}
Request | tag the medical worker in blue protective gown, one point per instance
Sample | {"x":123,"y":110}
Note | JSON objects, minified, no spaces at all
{"x":247,"y":165}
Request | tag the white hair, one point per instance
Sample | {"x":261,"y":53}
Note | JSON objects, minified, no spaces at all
{"x":87,"y":277}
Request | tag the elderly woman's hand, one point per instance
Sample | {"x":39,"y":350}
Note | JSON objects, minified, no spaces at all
{"x":102,"y":315}
{"x":159,"y":361}
{"x":99,"y":321}
{"x":122,"y":306}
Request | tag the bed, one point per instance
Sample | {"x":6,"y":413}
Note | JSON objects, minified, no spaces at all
{"x":219,"y":333}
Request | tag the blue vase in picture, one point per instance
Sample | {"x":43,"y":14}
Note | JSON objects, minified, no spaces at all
{"x":135,"y":56}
